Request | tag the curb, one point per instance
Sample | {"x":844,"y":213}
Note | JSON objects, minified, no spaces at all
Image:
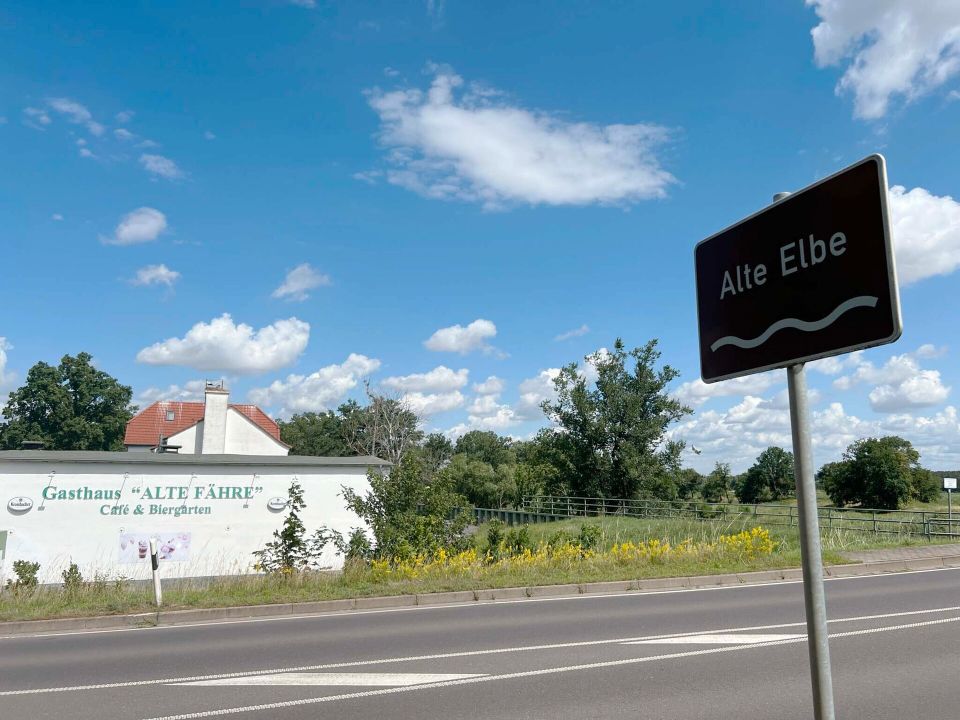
{"x":462,"y":597}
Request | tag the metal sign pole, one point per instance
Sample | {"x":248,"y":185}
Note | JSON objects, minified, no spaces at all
{"x":811,"y":558}
{"x":814,"y":600}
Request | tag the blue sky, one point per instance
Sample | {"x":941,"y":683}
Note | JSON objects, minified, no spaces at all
{"x":298,"y":196}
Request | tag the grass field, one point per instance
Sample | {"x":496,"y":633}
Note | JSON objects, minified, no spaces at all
{"x":113,"y":597}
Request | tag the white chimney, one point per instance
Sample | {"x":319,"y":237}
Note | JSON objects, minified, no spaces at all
{"x":215,"y":398}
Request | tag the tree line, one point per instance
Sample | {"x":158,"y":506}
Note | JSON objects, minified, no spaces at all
{"x":608,"y":437}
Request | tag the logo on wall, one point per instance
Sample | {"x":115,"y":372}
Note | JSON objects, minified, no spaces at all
{"x":277,"y":504}
{"x":20,"y":505}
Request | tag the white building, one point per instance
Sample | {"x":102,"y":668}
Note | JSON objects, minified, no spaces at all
{"x":208,"y":512}
{"x":212,"y":427}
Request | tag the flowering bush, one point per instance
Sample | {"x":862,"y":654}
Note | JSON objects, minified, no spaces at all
{"x":568,"y":554}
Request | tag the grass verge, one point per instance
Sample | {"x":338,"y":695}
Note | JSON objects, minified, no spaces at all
{"x":637,"y":558}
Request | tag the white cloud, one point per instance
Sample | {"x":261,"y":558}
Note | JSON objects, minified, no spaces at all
{"x":299,"y":281}
{"x":123,"y":134}
{"x":697,"y":392}
{"x":190,"y":391}
{"x":890,"y":48}
{"x":36,"y":117}
{"x":161,"y":166}
{"x":304,"y":3}
{"x":923,"y":390}
{"x":155,"y":275}
{"x":223,"y":345}
{"x":207,"y":135}
{"x":318,"y":391}
{"x":738,"y":435}
{"x":463,"y":340}
{"x":533,"y":391}
{"x":87,"y":153}
{"x":475,"y":146}
{"x":139,"y":226}
{"x":926,"y":233}
{"x":56,"y":217}
{"x":836,"y":364}
{"x":576,"y":332}
{"x":491,"y":386}
{"x":124,"y":116}
{"x":900,"y":384}
{"x":929,"y":351}
{"x":440,"y":379}
{"x":76,"y":113}
{"x":426,"y":404}
{"x":6,"y":377}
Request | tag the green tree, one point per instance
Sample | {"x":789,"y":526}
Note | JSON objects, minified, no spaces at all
{"x":314,"y":433}
{"x":926,"y":485}
{"x":717,"y":485}
{"x":548,"y":456}
{"x":486,"y":446}
{"x":615,"y":426}
{"x":437,"y":451}
{"x":689,"y":484}
{"x":876,"y":472}
{"x":832,"y":478}
{"x":71,"y":406}
{"x":769,"y":478}
{"x":407,"y":515}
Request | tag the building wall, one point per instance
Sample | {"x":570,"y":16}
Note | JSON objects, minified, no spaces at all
{"x":188,"y":439}
{"x":243,"y":437}
{"x":210,"y":517}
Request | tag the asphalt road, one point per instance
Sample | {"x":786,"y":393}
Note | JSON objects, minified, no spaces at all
{"x":720,"y":653}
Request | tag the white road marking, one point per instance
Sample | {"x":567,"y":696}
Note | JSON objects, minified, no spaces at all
{"x":457,"y":606}
{"x":532,"y":673}
{"x":716,"y":639}
{"x":331,"y":679}
{"x":465,"y":653}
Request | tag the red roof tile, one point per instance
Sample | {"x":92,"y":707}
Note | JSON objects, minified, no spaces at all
{"x":151,"y":423}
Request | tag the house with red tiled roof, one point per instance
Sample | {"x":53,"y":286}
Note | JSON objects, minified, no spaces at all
{"x":212,"y":427}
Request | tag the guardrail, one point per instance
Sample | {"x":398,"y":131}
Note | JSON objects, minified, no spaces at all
{"x":901,"y":522}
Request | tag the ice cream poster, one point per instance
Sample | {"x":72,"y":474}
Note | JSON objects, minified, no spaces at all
{"x":171,"y":546}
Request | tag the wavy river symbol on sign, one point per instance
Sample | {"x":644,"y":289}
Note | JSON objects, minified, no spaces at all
{"x":805,"y":325}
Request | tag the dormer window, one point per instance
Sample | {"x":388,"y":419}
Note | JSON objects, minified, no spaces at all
{"x":171,"y":416}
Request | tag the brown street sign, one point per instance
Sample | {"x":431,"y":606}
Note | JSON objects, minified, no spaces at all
{"x":808,"y":277}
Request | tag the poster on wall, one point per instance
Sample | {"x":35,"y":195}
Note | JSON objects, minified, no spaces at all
{"x":172,"y":546}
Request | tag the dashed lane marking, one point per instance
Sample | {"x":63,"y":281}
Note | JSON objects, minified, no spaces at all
{"x":465,"y":653}
{"x":716,"y":639}
{"x":335,"y":679}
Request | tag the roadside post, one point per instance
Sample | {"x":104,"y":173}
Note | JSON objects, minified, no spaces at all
{"x":155,"y":563}
{"x":808,"y":277}
{"x":950,"y":484}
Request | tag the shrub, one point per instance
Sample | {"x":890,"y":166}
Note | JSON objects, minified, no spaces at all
{"x":355,"y":549}
{"x":494,"y":535}
{"x":409,"y":515}
{"x":590,"y":536}
{"x":26,"y":573}
{"x":518,"y":540}
{"x":72,"y":579}
{"x":291,"y":550}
